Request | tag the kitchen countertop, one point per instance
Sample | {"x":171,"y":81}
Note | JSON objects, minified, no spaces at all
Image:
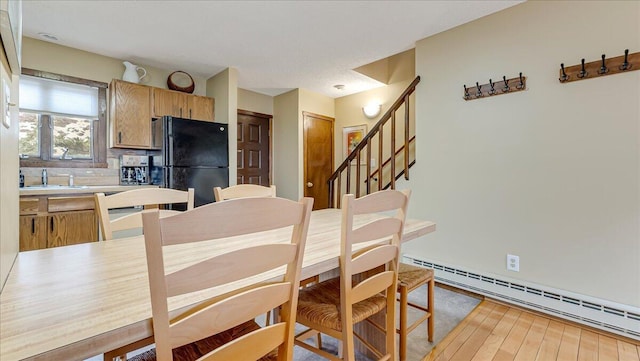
{"x":58,"y":189}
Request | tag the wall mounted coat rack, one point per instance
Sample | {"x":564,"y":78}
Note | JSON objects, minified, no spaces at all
{"x":602,"y":67}
{"x":498,"y":88}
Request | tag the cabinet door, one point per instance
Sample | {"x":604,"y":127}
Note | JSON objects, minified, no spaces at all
{"x":131,"y":115}
{"x":167,"y":102}
{"x":68,"y":228}
{"x":200,"y":108}
{"x":33,"y":232}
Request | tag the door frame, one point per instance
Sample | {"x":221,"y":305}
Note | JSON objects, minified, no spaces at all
{"x":270,"y":118}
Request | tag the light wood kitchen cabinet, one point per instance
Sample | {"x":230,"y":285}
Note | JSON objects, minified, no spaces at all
{"x":32,"y":232}
{"x":49,"y":221}
{"x":130,"y":115}
{"x":183,"y":105}
{"x":201,"y":108}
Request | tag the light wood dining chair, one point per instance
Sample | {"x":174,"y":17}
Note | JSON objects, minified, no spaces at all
{"x":147,"y":197}
{"x":369,"y":253}
{"x":243,"y":191}
{"x":411,"y":277}
{"x":238,"y":272}
{"x":249,"y":191}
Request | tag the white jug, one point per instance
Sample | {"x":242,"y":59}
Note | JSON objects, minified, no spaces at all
{"x":131,"y":72}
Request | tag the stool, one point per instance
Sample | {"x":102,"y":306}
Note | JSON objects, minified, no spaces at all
{"x":409,"y":278}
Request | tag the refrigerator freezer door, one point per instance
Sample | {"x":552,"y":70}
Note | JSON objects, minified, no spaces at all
{"x":193,"y":143}
{"x":201,"y":179}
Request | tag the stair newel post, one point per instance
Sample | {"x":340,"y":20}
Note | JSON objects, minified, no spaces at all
{"x":348,"y":181}
{"x":330,"y":185}
{"x":339,"y":192}
{"x":358,"y":173}
{"x":380,"y":139}
{"x":393,"y":152}
{"x":369,"y":166}
{"x":406,"y":138}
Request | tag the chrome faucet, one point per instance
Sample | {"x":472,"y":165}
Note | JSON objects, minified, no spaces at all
{"x":64,"y":153}
{"x":45,"y":179}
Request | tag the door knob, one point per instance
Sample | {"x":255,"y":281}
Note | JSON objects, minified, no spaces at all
{"x":309,"y":184}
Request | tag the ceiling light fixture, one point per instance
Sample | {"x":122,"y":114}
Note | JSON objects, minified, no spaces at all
{"x":48,"y":36}
{"x":339,"y":86}
{"x":372,"y":110}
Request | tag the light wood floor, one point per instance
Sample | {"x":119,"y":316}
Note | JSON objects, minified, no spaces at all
{"x":493,"y":331}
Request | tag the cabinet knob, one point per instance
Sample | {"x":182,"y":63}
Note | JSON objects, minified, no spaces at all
{"x":309,"y":184}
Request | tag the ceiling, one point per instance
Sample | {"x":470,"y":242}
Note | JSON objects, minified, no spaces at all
{"x":275,"y":45}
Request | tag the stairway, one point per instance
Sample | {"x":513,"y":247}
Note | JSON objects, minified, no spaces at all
{"x":390,"y":140}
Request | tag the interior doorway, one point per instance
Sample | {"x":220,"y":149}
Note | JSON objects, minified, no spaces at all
{"x":254,"y":148}
{"x":318,"y":157}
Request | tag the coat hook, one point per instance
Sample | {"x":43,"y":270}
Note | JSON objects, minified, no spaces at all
{"x":466,"y":92}
{"x":603,"y":68}
{"x":479,"y":92}
{"x":582,"y":72}
{"x":492,"y":85}
{"x":564,"y":77}
{"x":521,"y":85}
{"x":506,"y":85}
{"x":625,"y":65}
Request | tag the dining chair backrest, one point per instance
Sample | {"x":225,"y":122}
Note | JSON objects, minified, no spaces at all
{"x":249,"y":291}
{"x":243,"y":191}
{"x":147,"y":197}
{"x":364,"y":260}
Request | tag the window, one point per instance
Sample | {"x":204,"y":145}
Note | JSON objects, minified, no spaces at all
{"x":62,"y":121}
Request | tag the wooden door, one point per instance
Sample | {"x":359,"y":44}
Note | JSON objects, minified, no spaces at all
{"x":254,"y":145}
{"x":200,"y":108}
{"x":318,"y":157}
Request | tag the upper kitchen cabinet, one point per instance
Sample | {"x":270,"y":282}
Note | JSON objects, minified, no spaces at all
{"x":201,"y":108}
{"x":182,"y":105}
{"x":130,"y":115}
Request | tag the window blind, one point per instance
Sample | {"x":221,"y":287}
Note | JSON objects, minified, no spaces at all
{"x":51,"y":96}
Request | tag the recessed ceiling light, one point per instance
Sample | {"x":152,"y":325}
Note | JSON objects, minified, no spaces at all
{"x":339,"y":86}
{"x":48,"y":36}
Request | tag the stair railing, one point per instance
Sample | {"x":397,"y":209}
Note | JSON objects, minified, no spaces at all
{"x":356,"y":156}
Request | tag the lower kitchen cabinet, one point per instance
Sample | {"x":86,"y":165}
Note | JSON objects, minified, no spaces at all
{"x":57,"y":221}
{"x":33,"y":232}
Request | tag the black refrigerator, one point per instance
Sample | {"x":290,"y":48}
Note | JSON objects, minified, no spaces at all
{"x":195,"y":154}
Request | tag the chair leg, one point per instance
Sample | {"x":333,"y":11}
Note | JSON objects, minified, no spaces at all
{"x":403,"y":323}
{"x":430,"y":304}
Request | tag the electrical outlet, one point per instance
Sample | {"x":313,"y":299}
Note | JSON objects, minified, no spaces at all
{"x":513,"y":263}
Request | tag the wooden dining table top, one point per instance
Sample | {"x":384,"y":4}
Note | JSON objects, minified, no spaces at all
{"x":74,"y":302}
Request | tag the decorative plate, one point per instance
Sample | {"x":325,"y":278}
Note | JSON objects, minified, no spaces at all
{"x":181,"y":81}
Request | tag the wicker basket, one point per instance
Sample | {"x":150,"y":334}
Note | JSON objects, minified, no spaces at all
{"x":173,"y":86}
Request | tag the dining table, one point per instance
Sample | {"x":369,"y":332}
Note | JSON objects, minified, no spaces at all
{"x":78,"y":301}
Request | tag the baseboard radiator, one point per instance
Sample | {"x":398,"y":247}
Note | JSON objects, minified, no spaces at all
{"x":605,"y":315}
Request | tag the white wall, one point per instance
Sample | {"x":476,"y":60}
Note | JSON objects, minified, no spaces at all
{"x":223,"y":87}
{"x":285,"y":144}
{"x":8,"y":177}
{"x":255,"y":102}
{"x":550,"y":174}
{"x":46,"y":56}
